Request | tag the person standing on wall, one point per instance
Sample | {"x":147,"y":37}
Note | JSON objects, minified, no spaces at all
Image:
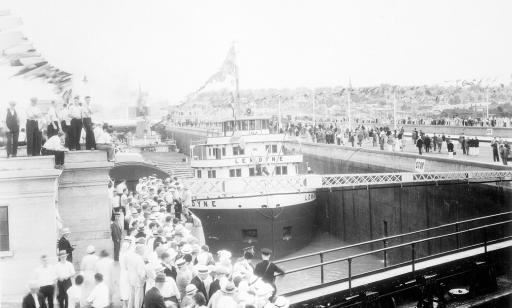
{"x":52,"y":120}
{"x":13,"y":126}
{"x":34,"y":135}
{"x":90,"y":142}
{"x":75,"y":112}
{"x":65,"y":122}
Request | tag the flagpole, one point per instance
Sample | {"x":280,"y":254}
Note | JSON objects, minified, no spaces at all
{"x":279,"y":111}
{"x":349,"y":105}
{"x":394,"y":109}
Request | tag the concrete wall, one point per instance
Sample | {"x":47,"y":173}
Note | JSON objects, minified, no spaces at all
{"x":330,"y":158}
{"x":357,"y":215}
{"x":504,"y":132}
{"x":84,"y":202}
{"x":28,"y":187}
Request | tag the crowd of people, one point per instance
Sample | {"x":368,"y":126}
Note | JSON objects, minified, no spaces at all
{"x":160,"y":260}
{"x":56,"y":130}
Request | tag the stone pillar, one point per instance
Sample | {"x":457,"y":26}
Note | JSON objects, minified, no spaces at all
{"x":84,"y":204}
{"x":28,"y":192}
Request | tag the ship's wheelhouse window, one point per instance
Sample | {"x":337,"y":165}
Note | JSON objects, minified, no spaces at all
{"x":278,"y":170}
{"x":223,"y":151}
{"x":252,"y":124}
{"x":255,"y":171}
{"x":271,"y":148}
{"x":198,"y":174}
{"x":235,"y":173}
{"x":212,"y":174}
{"x":284,"y":170}
{"x":250,"y":235}
{"x":238,"y":125}
{"x":258,"y":124}
{"x":210,"y":151}
{"x":245,"y":125}
{"x":228,"y":126}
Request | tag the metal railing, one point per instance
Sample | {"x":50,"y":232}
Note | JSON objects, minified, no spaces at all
{"x":413,"y":244}
{"x":254,"y":186}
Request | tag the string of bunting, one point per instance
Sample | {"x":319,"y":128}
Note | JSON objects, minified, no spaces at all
{"x":17,"y":51}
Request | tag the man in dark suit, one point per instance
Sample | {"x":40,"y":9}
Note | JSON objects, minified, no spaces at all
{"x":29,"y":301}
{"x":117,"y":235}
{"x":202,"y":280}
{"x":64,"y":244}
{"x":267,"y":270}
{"x":153,"y":297}
{"x":13,"y":126}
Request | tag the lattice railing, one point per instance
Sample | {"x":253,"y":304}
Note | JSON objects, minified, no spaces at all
{"x":211,"y":188}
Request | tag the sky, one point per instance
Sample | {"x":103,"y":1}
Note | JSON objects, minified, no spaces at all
{"x":170,"y":48}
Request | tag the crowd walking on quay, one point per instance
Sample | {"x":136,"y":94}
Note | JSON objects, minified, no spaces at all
{"x":160,"y":260}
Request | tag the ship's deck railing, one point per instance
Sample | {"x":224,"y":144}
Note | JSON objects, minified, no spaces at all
{"x":261,"y":185}
{"x":464,"y":236}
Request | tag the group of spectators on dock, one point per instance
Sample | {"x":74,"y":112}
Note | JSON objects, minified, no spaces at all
{"x":159,"y":260}
{"x":56,"y":130}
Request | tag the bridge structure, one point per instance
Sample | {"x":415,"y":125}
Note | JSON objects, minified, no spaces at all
{"x":231,"y":187}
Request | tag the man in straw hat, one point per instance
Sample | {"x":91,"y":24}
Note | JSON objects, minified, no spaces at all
{"x":64,"y":244}
{"x":64,"y":270}
{"x":46,"y":277}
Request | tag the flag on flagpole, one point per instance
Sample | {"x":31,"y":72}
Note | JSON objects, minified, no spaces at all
{"x":228,"y":69}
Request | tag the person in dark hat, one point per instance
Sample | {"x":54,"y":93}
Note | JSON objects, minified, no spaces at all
{"x":117,"y":235}
{"x":153,"y":297}
{"x":266,"y":269}
{"x":13,"y":129}
{"x":64,"y":244}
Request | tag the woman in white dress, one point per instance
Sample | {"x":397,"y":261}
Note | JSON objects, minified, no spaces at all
{"x":124,"y":286}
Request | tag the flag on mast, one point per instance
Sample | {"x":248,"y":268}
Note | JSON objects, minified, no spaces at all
{"x":227,"y":71}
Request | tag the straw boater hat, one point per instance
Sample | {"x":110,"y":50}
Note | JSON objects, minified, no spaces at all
{"x":228,"y":288}
{"x":202,"y":269}
{"x":65,"y":231}
{"x":191,"y":289}
{"x":90,"y":249}
{"x":186,"y":249}
{"x":62,"y":253}
{"x":180,"y":262}
{"x":281,"y":302}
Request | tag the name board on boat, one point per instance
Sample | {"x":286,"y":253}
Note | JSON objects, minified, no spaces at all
{"x":257,"y":160}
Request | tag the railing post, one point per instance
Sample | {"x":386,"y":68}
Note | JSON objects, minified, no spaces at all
{"x":349,"y":276}
{"x":457,"y":235}
{"x":322,"y":268}
{"x":413,"y":256}
{"x":485,"y":240}
{"x":385,"y":253}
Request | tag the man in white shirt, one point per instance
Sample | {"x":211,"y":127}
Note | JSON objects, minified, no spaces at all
{"x":65,"y":122}
{"x":53,"y":146}
{"x":99,"y":297}
{"x":104,"y":142}
{"x":90,"y":142}
{"x":64,"y":270}
{"x":34,"y":135}
{"x":46,"y":277}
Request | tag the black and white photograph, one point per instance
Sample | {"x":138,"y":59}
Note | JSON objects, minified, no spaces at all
{"x":255,"y":154}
